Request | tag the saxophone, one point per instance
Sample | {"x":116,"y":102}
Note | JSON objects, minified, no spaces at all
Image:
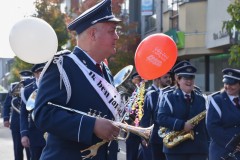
{"x":176,"y":137}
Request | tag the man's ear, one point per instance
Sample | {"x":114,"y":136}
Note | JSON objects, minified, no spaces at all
{"x":92,"y":33}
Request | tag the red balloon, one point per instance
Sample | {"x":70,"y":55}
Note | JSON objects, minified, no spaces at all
{"x":155,"y":56}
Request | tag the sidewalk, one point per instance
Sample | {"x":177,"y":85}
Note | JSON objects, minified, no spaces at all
{"x":6,"y":151}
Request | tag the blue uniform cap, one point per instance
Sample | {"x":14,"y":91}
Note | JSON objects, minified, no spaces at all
{"x":135,"y":75}
{"x":38,"y":67}
{"x":101,"y":12}
{"x":25,"y":73}
{"x":187,"y":71}
{"x":180,"y":64}
{"x":231,"y":76}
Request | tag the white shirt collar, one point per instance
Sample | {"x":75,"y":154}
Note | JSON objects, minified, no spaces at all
{"x":94,"y":62}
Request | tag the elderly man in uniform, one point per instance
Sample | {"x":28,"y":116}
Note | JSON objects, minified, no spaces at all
{"x":13,"y":101}
{"x":79,"y":83}
{"x":32,"y":137}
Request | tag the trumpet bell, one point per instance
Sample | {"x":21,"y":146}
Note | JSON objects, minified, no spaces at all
{"x":122,"y":80}
{"x":31,"y":101}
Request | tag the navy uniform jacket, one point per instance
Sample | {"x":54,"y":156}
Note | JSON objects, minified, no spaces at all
{"x":15,"y":118}
{"x":150,"y":114}
{"x":70,"y":132}
{"x":223,"y":123}
{"x":27,"y":125}
{"x":175,"y":119}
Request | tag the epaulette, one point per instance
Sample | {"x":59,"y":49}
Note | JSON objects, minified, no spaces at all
{"x":149,"y":92}
{"x":165,"y":88}
{"x":215,"y":105}
{"x":197,"y":90}
{"x":215,"y":93}
{"x":62,"y":53}
{"x":168,"y":91}
{"x":28,"y":81}
{"x":29,"y":84}
{"x":13,"y":85}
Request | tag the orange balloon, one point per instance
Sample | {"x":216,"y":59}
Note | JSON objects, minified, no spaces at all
{"x":155,"y":56}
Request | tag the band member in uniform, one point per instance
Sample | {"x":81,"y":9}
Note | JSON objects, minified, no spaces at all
{"x":79,"y":83}
{"x":32,"y":137}
{"x":176,"y":109}
{"x":175,"y":76}
{"x":133,"y":152}
{"x":150,"y":115}
{"x":223,"y":114}
{"x":14,"y":124}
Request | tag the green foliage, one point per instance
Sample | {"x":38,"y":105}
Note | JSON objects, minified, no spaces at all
{"x":18,"y":66}
{"x":126,"y":47}
{"x":234,"y":11}
{"x":50,"y":11}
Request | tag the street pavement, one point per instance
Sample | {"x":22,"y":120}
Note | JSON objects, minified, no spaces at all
{"x":6,"y":145}
{"x":6,"y":151}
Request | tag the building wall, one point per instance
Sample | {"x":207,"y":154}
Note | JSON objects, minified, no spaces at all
{"x":205,"y":45}
{"x":216,"y":14}
{"x":5,"y":64}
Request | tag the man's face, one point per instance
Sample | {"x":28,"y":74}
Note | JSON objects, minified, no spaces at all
{"x":106,"y":38}
{"x":136,"y":80}
{"x":165,"y":80}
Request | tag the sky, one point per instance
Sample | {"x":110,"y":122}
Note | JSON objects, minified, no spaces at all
{"x":11,"y":11}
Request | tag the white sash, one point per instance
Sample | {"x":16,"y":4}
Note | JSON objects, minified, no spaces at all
{"x":107,"y":92}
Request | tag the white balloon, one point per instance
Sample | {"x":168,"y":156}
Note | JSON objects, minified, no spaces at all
{"x":33,"y":40}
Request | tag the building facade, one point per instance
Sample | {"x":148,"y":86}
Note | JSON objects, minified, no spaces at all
{"x":196,"y":27}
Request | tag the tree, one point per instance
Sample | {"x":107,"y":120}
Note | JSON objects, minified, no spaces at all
{"x":48,"y":10}
{"x":234,"y":11}
{"x":128,"y":38}
{"x":18,"y":66}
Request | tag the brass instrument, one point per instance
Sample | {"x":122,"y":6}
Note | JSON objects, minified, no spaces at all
{"x":14,"y":105}
{"x":142,"y":132}
{"x":176,"y":137}
{"x":162,"y":132}
{"x":232,"y":147}
{"x":15,"y":88}
{"x":122,"y":80}
{"x":15,"y":93}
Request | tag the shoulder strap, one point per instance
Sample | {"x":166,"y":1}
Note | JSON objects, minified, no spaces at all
{"x":215,"y":105}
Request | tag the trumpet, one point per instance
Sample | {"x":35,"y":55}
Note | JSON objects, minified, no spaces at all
{"x":176,"y":137}
{"x":144,"y":133}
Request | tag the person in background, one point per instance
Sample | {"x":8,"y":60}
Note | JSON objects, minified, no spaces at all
{"x":133,"y":141}
{"x":32,"y":137}
{"x":223,"y":114}
{"x":77,"y":87}
{"x":150,"y":115}
{"x":176,"y":109}
{"x":11,"y":115}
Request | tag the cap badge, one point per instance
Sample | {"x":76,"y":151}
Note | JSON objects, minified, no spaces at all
{"x":189,"y":69}
{"x":230,"y":73}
